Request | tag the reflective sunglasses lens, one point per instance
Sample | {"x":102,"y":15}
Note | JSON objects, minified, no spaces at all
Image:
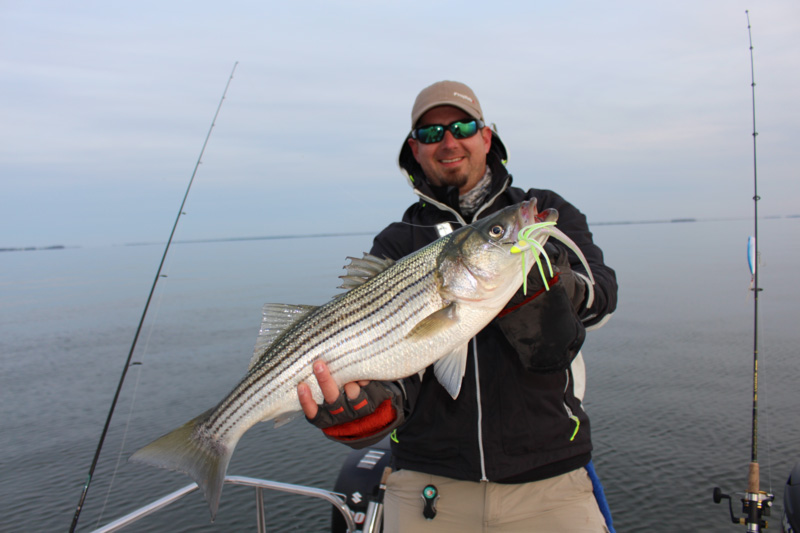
{"x":462,"y":130}
{"x":430,"y":134}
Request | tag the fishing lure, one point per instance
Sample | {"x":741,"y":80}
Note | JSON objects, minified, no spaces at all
{"x":524,"y":237}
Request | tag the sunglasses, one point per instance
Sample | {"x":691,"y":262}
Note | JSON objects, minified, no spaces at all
{"x":461,"y":129}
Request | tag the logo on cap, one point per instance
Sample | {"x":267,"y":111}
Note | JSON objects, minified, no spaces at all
{"x":464,"y":96}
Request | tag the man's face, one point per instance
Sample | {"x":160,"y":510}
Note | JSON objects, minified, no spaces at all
{"x":456,"y":162}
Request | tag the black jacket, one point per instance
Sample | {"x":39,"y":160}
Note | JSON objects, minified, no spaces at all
{"x":508,"y":424}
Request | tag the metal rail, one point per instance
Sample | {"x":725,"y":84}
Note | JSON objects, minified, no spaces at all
{"x":259,"y":484}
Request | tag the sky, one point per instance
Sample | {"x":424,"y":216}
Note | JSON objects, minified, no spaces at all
{"x":631,"y":110}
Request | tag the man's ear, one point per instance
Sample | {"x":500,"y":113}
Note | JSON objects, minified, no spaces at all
{"x":486,"y":132}
{"x":414,"y":145}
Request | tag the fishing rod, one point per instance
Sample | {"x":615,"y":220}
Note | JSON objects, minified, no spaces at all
{"x":144,"y":314}
{"x":756,"y":504}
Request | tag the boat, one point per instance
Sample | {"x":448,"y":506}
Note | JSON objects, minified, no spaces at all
{"x":791,"y":502}
{"x":356,"y":499}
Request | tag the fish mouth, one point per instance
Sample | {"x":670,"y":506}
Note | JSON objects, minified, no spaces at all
{"x":529,"y":213}
{"x":527,"y":236}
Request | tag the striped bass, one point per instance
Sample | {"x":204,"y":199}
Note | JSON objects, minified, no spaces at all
{"x":396,"y":320}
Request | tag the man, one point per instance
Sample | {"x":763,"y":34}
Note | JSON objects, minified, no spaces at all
{"x":511,"y":452}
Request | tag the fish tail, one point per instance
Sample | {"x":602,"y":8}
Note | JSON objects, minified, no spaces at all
{"x":190,"y":450}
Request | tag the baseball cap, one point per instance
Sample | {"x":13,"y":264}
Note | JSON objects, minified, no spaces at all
{"x":451,"y":93}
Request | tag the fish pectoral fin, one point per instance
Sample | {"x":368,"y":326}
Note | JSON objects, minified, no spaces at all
{"x":449,"y":370}
{"x":434,"y":323}
{"x":285,"y":418}
{"x":277,"y":318}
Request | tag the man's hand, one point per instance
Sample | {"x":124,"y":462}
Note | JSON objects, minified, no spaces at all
{"x":544,"y":327}
{"x":329,"y":390}
{"x":368,"y":410}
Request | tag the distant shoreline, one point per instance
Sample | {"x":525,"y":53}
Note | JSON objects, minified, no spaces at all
{"x":345,"y":234}
{"x":34,"y":248}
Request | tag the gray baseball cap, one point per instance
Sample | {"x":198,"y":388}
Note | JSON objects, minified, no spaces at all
{"x":451,"y":93}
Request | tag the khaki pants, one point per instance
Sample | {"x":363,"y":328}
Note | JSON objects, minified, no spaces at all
{"x":563,"y":504}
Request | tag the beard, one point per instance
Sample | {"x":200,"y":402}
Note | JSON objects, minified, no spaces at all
{"x":450,"y":179}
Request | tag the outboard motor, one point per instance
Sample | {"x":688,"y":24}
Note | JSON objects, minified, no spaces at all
{"x":360,"y":481}
{"x":791,"y":502}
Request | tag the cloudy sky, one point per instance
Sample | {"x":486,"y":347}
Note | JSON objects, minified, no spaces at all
{"x":632,"y":110}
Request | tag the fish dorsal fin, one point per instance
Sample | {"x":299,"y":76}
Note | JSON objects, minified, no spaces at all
{"x":449,"y":370}
{"x":359,"y":271}
{"x":276,"y":318}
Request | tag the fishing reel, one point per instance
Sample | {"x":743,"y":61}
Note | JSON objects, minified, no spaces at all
{"x":755,"y":506}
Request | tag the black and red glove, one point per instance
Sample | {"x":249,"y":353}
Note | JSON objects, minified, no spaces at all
{"x":365,"y":420}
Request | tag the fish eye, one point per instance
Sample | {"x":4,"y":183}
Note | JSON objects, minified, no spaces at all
{"x":496,"y":231}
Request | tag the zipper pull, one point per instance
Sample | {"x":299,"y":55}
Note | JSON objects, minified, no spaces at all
{"x":430,"y":495}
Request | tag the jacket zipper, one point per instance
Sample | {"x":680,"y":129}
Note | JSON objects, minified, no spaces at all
{"x":480,"y":409}
{"x":444,"y":207}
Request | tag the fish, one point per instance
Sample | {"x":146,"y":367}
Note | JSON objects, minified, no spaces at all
{"x":396,"y":319}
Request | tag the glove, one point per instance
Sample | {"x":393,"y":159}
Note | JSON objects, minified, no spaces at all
{"x":544,"y":327}
{"x":573,"y":283}
{"x":365,"y":420}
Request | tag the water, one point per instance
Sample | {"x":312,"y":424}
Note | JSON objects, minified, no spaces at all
{"x":669,"y":393}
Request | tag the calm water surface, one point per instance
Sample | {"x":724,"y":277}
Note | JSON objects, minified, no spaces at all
{"x":669,"y":389}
